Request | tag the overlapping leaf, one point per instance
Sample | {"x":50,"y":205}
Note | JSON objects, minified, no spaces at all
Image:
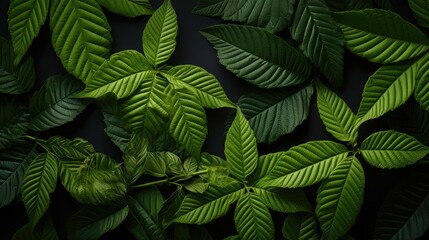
{"x":390,"y":149}
{"x":300,"y":226}
{"x":25,"y":17}
{"x":213,"y":203}
{"x":159,"y":35}
{"x":421,"y":92}
{"x":128,"y":8}
{"x":13,"y":163}
{"x":240,"y":148}
{"x":80,"y":35}
{"x":39,"y":181}
{"x":14,"y":120}
{"x":63,"y":148}
{"x":273,"y":15}
{"x":339,"y":198}
{"x":336,"y":115}
{"x":44,"y":229}
{"x":381,"y":36}
{"x":53,"y":105}
{"x":420,"y":9}
{"x":387,"y":89}
{"x":93,"y":222}
{"x":344,"y":5}
{"x":252,"y":218}
{"x":320,"y":39}
{"x":135,"y":155}
{"x":282,"y":66}
{"x":284,"y":200}
{"x":272,"y":114}
{"x":305,"y":164}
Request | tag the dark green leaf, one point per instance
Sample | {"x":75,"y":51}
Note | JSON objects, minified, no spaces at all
{"x":284,"y":200}
{"x":344,"y":5}
{"x":135,"y":155}
{"x":420,"y":9}
{"x":14,"y":120}
{"x":300,"y":226}
{"x":64,"y":148}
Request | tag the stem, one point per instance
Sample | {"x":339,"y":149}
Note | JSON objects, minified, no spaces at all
{"x":150,"y":183}
{"x":30,"y":137}
{"x":170,"y":180}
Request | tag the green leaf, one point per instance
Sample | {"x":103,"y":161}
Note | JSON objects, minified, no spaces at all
{"x":252,"y":218}
{"x":387,"y":89}
{"x":340,"y":197}
{"x":13,"y":120}
{"x":390,"y":149}
{"x":344,"y":5}
{"x":92,"y":222}
{"x":144,"y":209}
{"x":128,"y":8}
{"x":14,"y":79}
{"x":274,"y":15}
{"x":381,"y":36}
{"x":64,"y":148}
{"x":272,"y":114}
{"x":80,"y":35}
{"x":300,"y":226}
{"x":204,"y":85}
{"x":266,"y":163}
{"x":197,"y":186}
{"x":404,"y":213}
{"x":188,"y":120}
{"x":156,"y":163}
{"x":336,"y":115}
{"x":43,"y":230}
{"x":171,"y":206}
{"x":422,"y":86}
{"x":240,"y":148}
{"x":135,"y":155}
{"x":148,"y":109}
{"x":251,"y":60}
{"x":39,"y":181}
{"x":121,"y":74}
{"x":13,"y":163}
{"x":159,"y":35}
{"x":320,"y":39}
{"x":213,"y":203}
{"x":304,"y":165}
{"x":53,"y":105}
{"x":24,"y":21}
{"x":420,"y":9}
{"x":284,"y":200}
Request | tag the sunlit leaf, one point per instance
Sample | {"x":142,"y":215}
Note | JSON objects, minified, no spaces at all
{"x":128,"y":8}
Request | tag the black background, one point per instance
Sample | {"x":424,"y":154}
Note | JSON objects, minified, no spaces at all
{"x":192,"y":48}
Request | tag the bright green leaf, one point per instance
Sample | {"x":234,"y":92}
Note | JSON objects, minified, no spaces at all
{"x":39,"y":181}
{"x":25,"y":17}
{"x":284,"y":200}
{"x":92,"y":222}
{"x":390,"y":149}
{"x":252,"y":218}
{"x":252,"y":60}
{"x":13,"y":120}
{"x":274,"y":15}
{"x":80,"y":35}
{"x":381,"y":36}
{"x":272,"y":114}
{"x":422,"y":86}
{"x":128,"y":8}
{"x":240,"y":148}
{"x":13,"y":163}
{"x":64,"y":148}
{"x":159,"y":35}
{"x":340,"y":197}
{"x":156,"y":163}
{"x":300,"y":226}
{"x":320,"y":39}
{"x":213,"y":203}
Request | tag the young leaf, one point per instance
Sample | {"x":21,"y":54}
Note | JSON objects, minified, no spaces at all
{"x":213,"y":203}
{"x":336,"y":115}
{"x":80,"y":35}
{"x":420,"y":9}
{"x":188,"y":120}
{"x":387,"y":89}
{"x":62,"y":148}
{"x":381,"y":36}
{"x":53,"y":104}
{"x":135,"y":155}
{"x":390,"y":149}
{"x":300,"y":226}
{"x":339,"y":198}
{"x":159,"y":35}
{"x":320,"y":39}
{"x":92,"y":222}
{"x":13,"y":120}
{"x":128,"y":8}
{"x":240,"y":148}
{"x":25,"y":17}
{"x":404,"y":214}
{"x":305,"y":164}
{"x":274,"y":15}
{"x":39,"y":181}
{"x":144,"y":209}
{"x":252,"y":62}
{"x":272,"y":114}
{"x":203,"y":84}
{"x":13,"y":164}
{"x":344,"y":5}
{"x":253,"y":219}
{"x":284,"y":200}
{"x":121,"y":74}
